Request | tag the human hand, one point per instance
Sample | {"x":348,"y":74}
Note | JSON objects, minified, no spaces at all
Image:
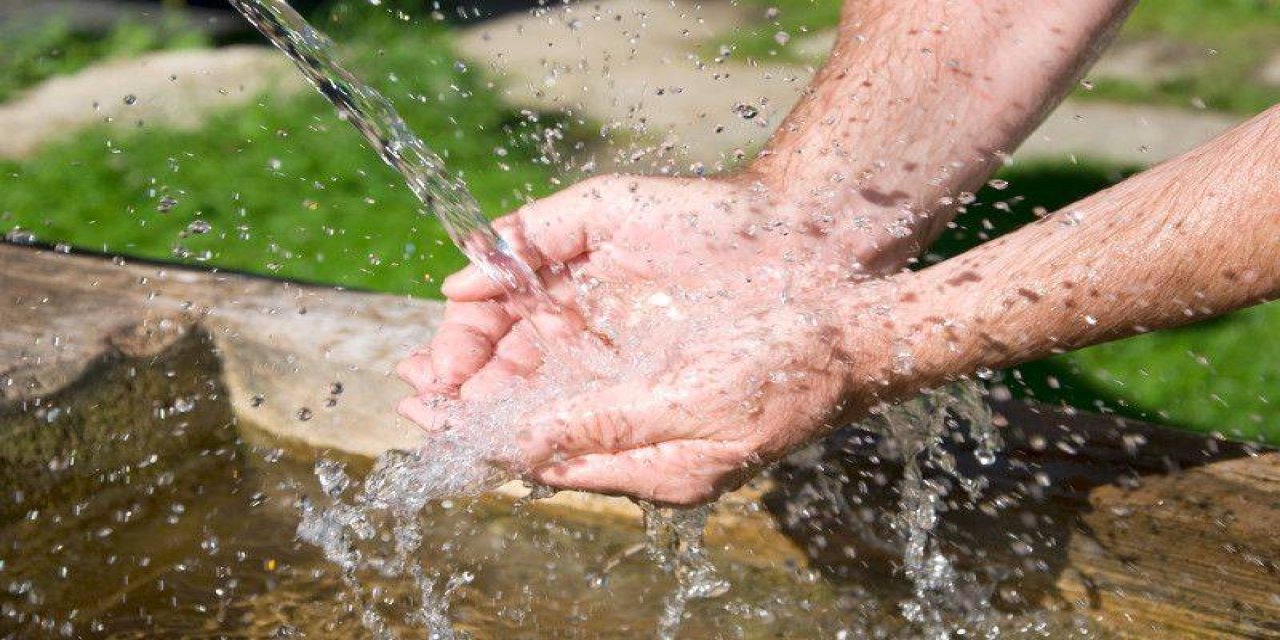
{"x":736,"y":389}
{"x":606,"y":245}
{"x":717,"y":259}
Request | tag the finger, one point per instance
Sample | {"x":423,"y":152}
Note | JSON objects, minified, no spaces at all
{"x":618,"y":418}
{"x":685,"y":472}
{"x":496,"y":376}
{"x":422,"y":411}
{"x":465,"y":340}
{"x":520,"y":348}
{"x":417,"y":372}
{"x":553,"y":230}
{"x":518,"y":355}
{"x":559,"y":323}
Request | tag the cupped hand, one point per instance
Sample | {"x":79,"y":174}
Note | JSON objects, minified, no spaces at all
{"x":719,"y":286}
{"x":738,"y":389}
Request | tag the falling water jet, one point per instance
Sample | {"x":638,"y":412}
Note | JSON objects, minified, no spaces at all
{"x":443,"y":195}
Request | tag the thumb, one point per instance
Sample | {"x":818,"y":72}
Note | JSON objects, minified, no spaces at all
{"x":552,"y":230}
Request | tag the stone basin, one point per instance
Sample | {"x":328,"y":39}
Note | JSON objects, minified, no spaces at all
{"x":117,"y":374}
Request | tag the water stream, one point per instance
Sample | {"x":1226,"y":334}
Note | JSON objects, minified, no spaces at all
{"x":442,"y":194}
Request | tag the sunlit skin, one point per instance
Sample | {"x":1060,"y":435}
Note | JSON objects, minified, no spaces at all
{"x":917,"y":104}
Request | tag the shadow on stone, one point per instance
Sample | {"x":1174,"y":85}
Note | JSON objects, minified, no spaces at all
{"x":1151,"y":532}
{"x":147,"y":399}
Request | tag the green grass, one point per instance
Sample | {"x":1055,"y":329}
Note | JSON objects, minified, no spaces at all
{"x":795,"y":18}
{"x":286,"y":188}
{"x":30,"y":56}
{"x":1227,"y":42}
{"x":1194,"y":20}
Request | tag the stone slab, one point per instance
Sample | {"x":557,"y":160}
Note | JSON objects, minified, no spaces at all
{"x":641,"y":69}
{"x":282,"y":345}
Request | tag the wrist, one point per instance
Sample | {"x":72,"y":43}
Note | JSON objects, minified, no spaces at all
{"x":880,"y":220}
{"x":902,"y":336}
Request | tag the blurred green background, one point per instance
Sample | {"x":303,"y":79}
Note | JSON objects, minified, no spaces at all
{"x":288,"y":190}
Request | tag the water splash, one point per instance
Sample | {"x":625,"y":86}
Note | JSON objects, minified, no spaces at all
{"x":675,"y":543}
{"x":477,"y":452}
{"x":944,"y":599}
{"x":346,"y":530}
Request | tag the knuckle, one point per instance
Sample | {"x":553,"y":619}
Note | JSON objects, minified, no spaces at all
{"x":465,"y":332}
{"x":406,"y":407}
{"x":406,"y":369}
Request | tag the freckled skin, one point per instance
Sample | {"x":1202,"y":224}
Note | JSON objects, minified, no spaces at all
{"x":1144,"y":274}
{"x":840,"y":220}
{"x":963,"y":277}
{"x":1029,"y":294}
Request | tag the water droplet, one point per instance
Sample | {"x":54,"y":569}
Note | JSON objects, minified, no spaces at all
{"x":745,"y":111}
{"x":998,"y":184}
{"x":130,"y":99}
{"x":199,"y":227}
{"x":304,"y":414}
{"x":782,"y":38}
{"x":333,"y":477}
{"x":771,"y":13}
{"x":20,"y":236}
{"x":1071,"y":218}
{"x":166,"y":204}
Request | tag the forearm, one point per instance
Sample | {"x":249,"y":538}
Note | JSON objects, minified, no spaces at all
{"x":1193,"y":238}
{"x":919,"y":100}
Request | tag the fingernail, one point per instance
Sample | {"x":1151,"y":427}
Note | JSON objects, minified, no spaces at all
{"x":463,"y":281}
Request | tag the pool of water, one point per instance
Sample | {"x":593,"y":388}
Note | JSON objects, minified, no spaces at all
{"x":202,"y":545}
